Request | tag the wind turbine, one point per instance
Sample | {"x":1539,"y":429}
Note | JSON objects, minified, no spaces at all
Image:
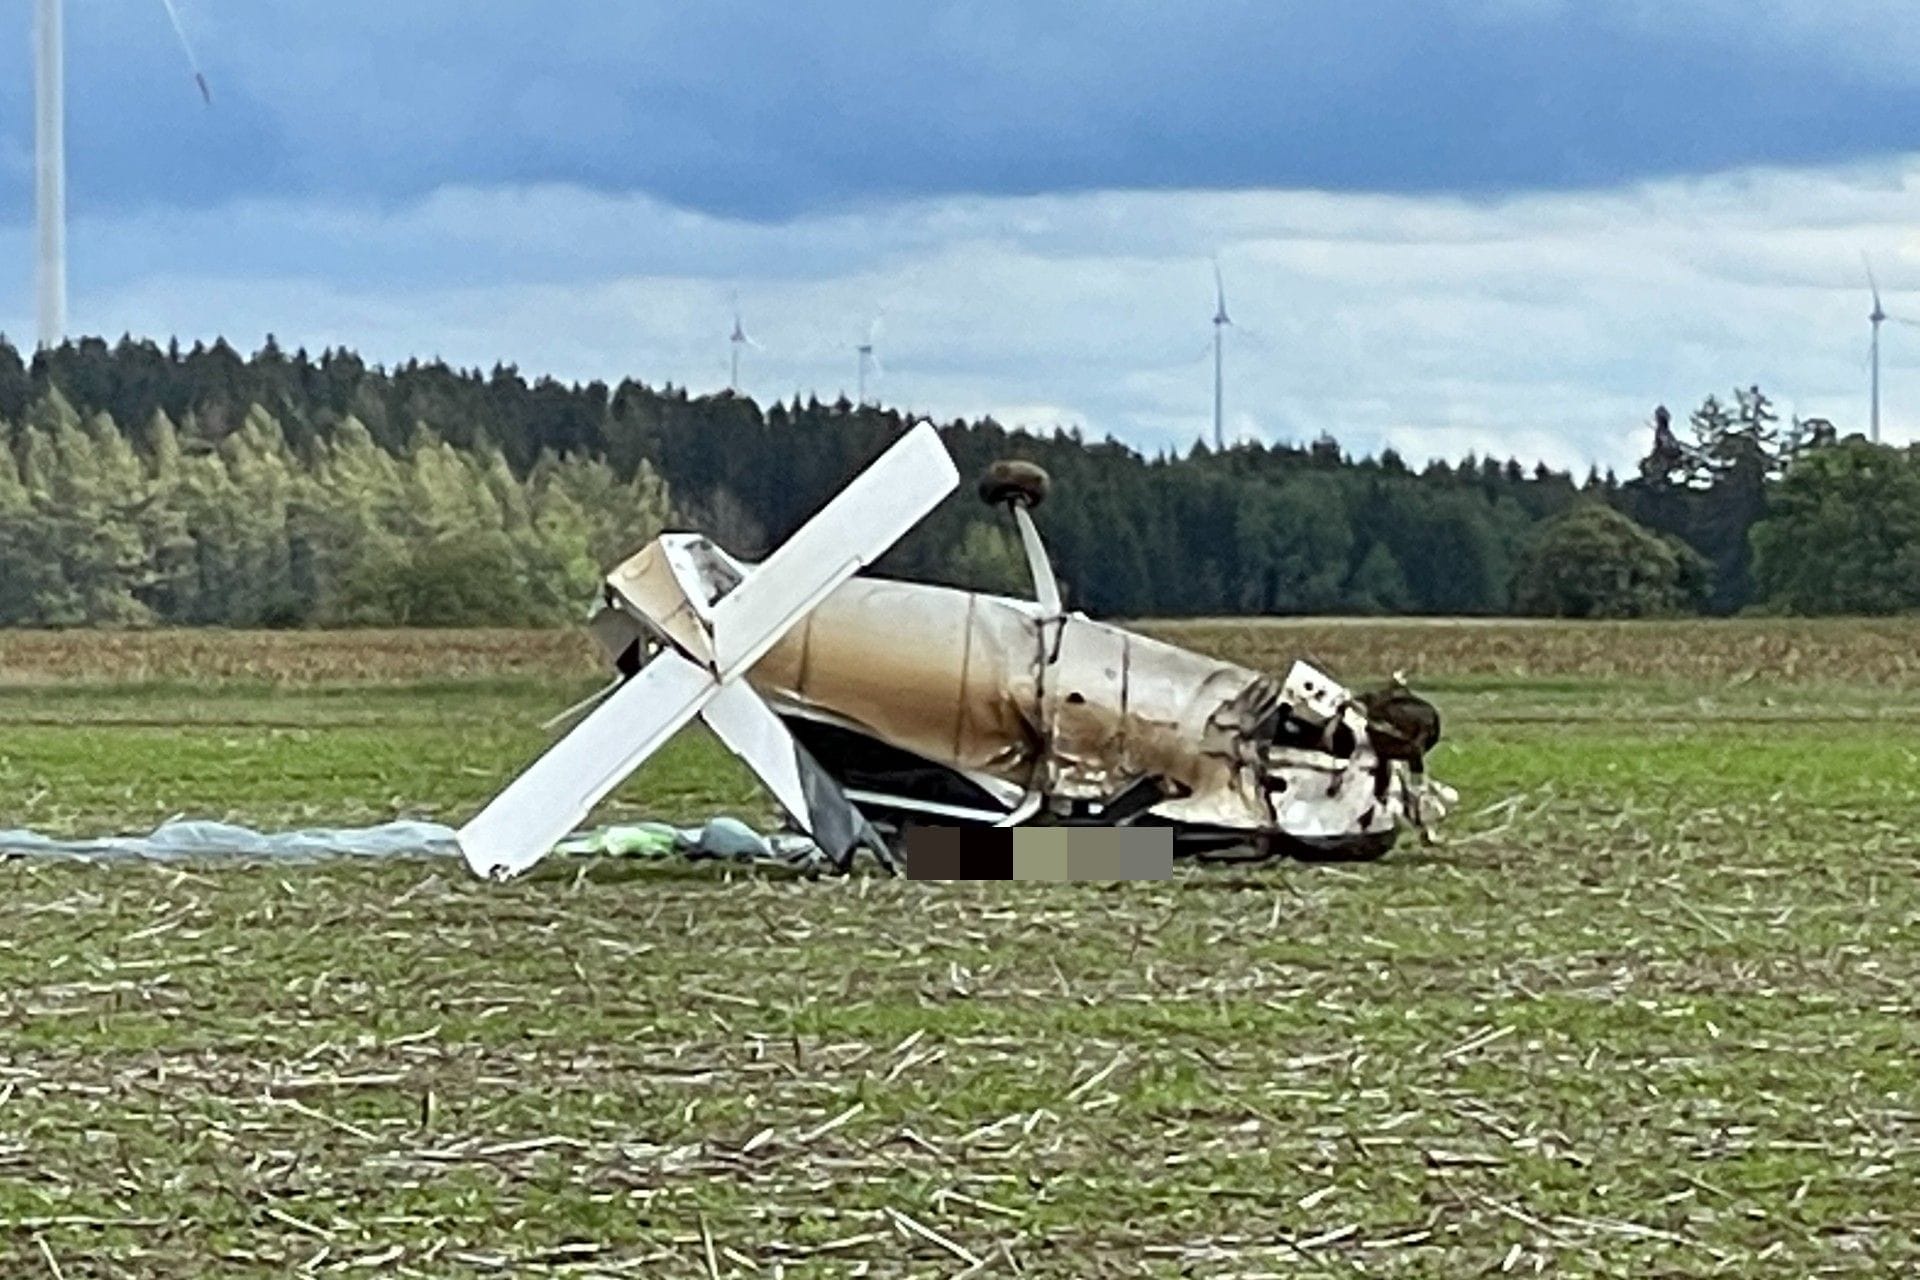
{"x":1220,"y":323}
{"x":739,"y":339}
{"x":1876,"y":317}
{"x":50,"y":157}
{"x":868,"y":361}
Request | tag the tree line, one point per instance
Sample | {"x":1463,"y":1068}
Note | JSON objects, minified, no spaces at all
{"x":148,"y":484}
{"x":100,"y":527}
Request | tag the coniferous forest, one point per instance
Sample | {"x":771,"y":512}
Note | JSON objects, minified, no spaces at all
{"x":149,"y":485}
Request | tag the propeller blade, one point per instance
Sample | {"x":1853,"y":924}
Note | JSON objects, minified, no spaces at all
{"x":1219,"y":290}
{"x":1912,"y":324}
{"x":186,"y":46}
{"x":1871,"y":282}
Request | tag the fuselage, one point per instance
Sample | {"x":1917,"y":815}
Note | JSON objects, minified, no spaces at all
{"x":1026,"y":703}
{"x":1071,"y":707}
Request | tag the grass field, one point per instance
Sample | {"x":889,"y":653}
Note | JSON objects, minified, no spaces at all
{"x":1650,"y":1011}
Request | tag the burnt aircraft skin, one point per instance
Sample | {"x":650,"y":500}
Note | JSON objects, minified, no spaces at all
{"x":1019,"y":711}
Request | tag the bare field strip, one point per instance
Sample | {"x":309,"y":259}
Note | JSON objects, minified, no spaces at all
{"x":1814,"y":651}
{"x":1650,"y":1011}
{"x":1884,"y":653}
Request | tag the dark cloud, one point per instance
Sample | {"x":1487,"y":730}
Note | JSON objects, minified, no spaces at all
{"x":767,"y":110}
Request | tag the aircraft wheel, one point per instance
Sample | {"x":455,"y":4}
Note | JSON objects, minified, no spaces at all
{"x":1012,"y":480}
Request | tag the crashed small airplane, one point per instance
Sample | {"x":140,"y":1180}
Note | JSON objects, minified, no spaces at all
{"x":868,"y":705}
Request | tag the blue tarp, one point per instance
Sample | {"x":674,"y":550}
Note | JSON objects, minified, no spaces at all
{"x":723,"y":838}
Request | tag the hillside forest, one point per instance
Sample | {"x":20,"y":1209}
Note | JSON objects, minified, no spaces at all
{"x":147,"y":485}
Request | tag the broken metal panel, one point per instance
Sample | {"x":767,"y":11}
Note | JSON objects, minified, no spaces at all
{"x":1085,"y":712}
{"x":1187,"y":721}
{"x":658,"y":586}
{"x":621,"y":636}
{"x":1313,"y":694}
{"x":812,"y":800}
{"x":1120,"y":707}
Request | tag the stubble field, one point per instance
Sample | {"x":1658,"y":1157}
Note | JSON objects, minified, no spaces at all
{"x":1649,"y":1011}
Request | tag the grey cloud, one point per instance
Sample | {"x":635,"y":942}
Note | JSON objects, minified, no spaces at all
{"x":1542,"y":327}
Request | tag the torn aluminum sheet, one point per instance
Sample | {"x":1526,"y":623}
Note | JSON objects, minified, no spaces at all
{"x":866,"y":704}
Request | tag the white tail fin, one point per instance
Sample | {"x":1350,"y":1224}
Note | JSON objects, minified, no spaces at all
{"x":554,"y":795}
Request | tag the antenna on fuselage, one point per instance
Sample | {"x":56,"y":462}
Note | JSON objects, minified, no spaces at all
{"x":1020,"y":487}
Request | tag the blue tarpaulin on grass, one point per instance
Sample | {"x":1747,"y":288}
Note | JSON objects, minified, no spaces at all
{"x":723,"y":838}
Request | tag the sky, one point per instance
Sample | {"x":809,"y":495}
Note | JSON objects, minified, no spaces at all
{"x":1445,"y":226}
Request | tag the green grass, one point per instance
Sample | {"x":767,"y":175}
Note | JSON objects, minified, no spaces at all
{"x":1649,"y":1011}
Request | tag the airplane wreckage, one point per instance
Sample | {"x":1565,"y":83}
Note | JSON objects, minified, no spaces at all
{"x":869,"y":705}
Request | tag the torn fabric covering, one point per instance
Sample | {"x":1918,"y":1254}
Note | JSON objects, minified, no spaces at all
{"x":722,"y":839}
{"x":203,"y":839}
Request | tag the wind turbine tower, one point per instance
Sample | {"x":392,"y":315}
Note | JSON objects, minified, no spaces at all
{"x":50,"y":172}
{"x":738,"y":339}
{"x":869,"y":362}
{"x":50,"y":158}
{"x":1220,"y":323}
{"x":1877,"y":317}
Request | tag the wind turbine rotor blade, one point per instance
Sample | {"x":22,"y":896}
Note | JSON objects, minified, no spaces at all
{"x":1220,"y":292}
{"x":1256,"y":338}
{"x":1872,"y":284}
{"x":1911,"y":324}
{"x":186,"y":47}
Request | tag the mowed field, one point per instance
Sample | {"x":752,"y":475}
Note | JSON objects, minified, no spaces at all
{"x":1652,"y":1009}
